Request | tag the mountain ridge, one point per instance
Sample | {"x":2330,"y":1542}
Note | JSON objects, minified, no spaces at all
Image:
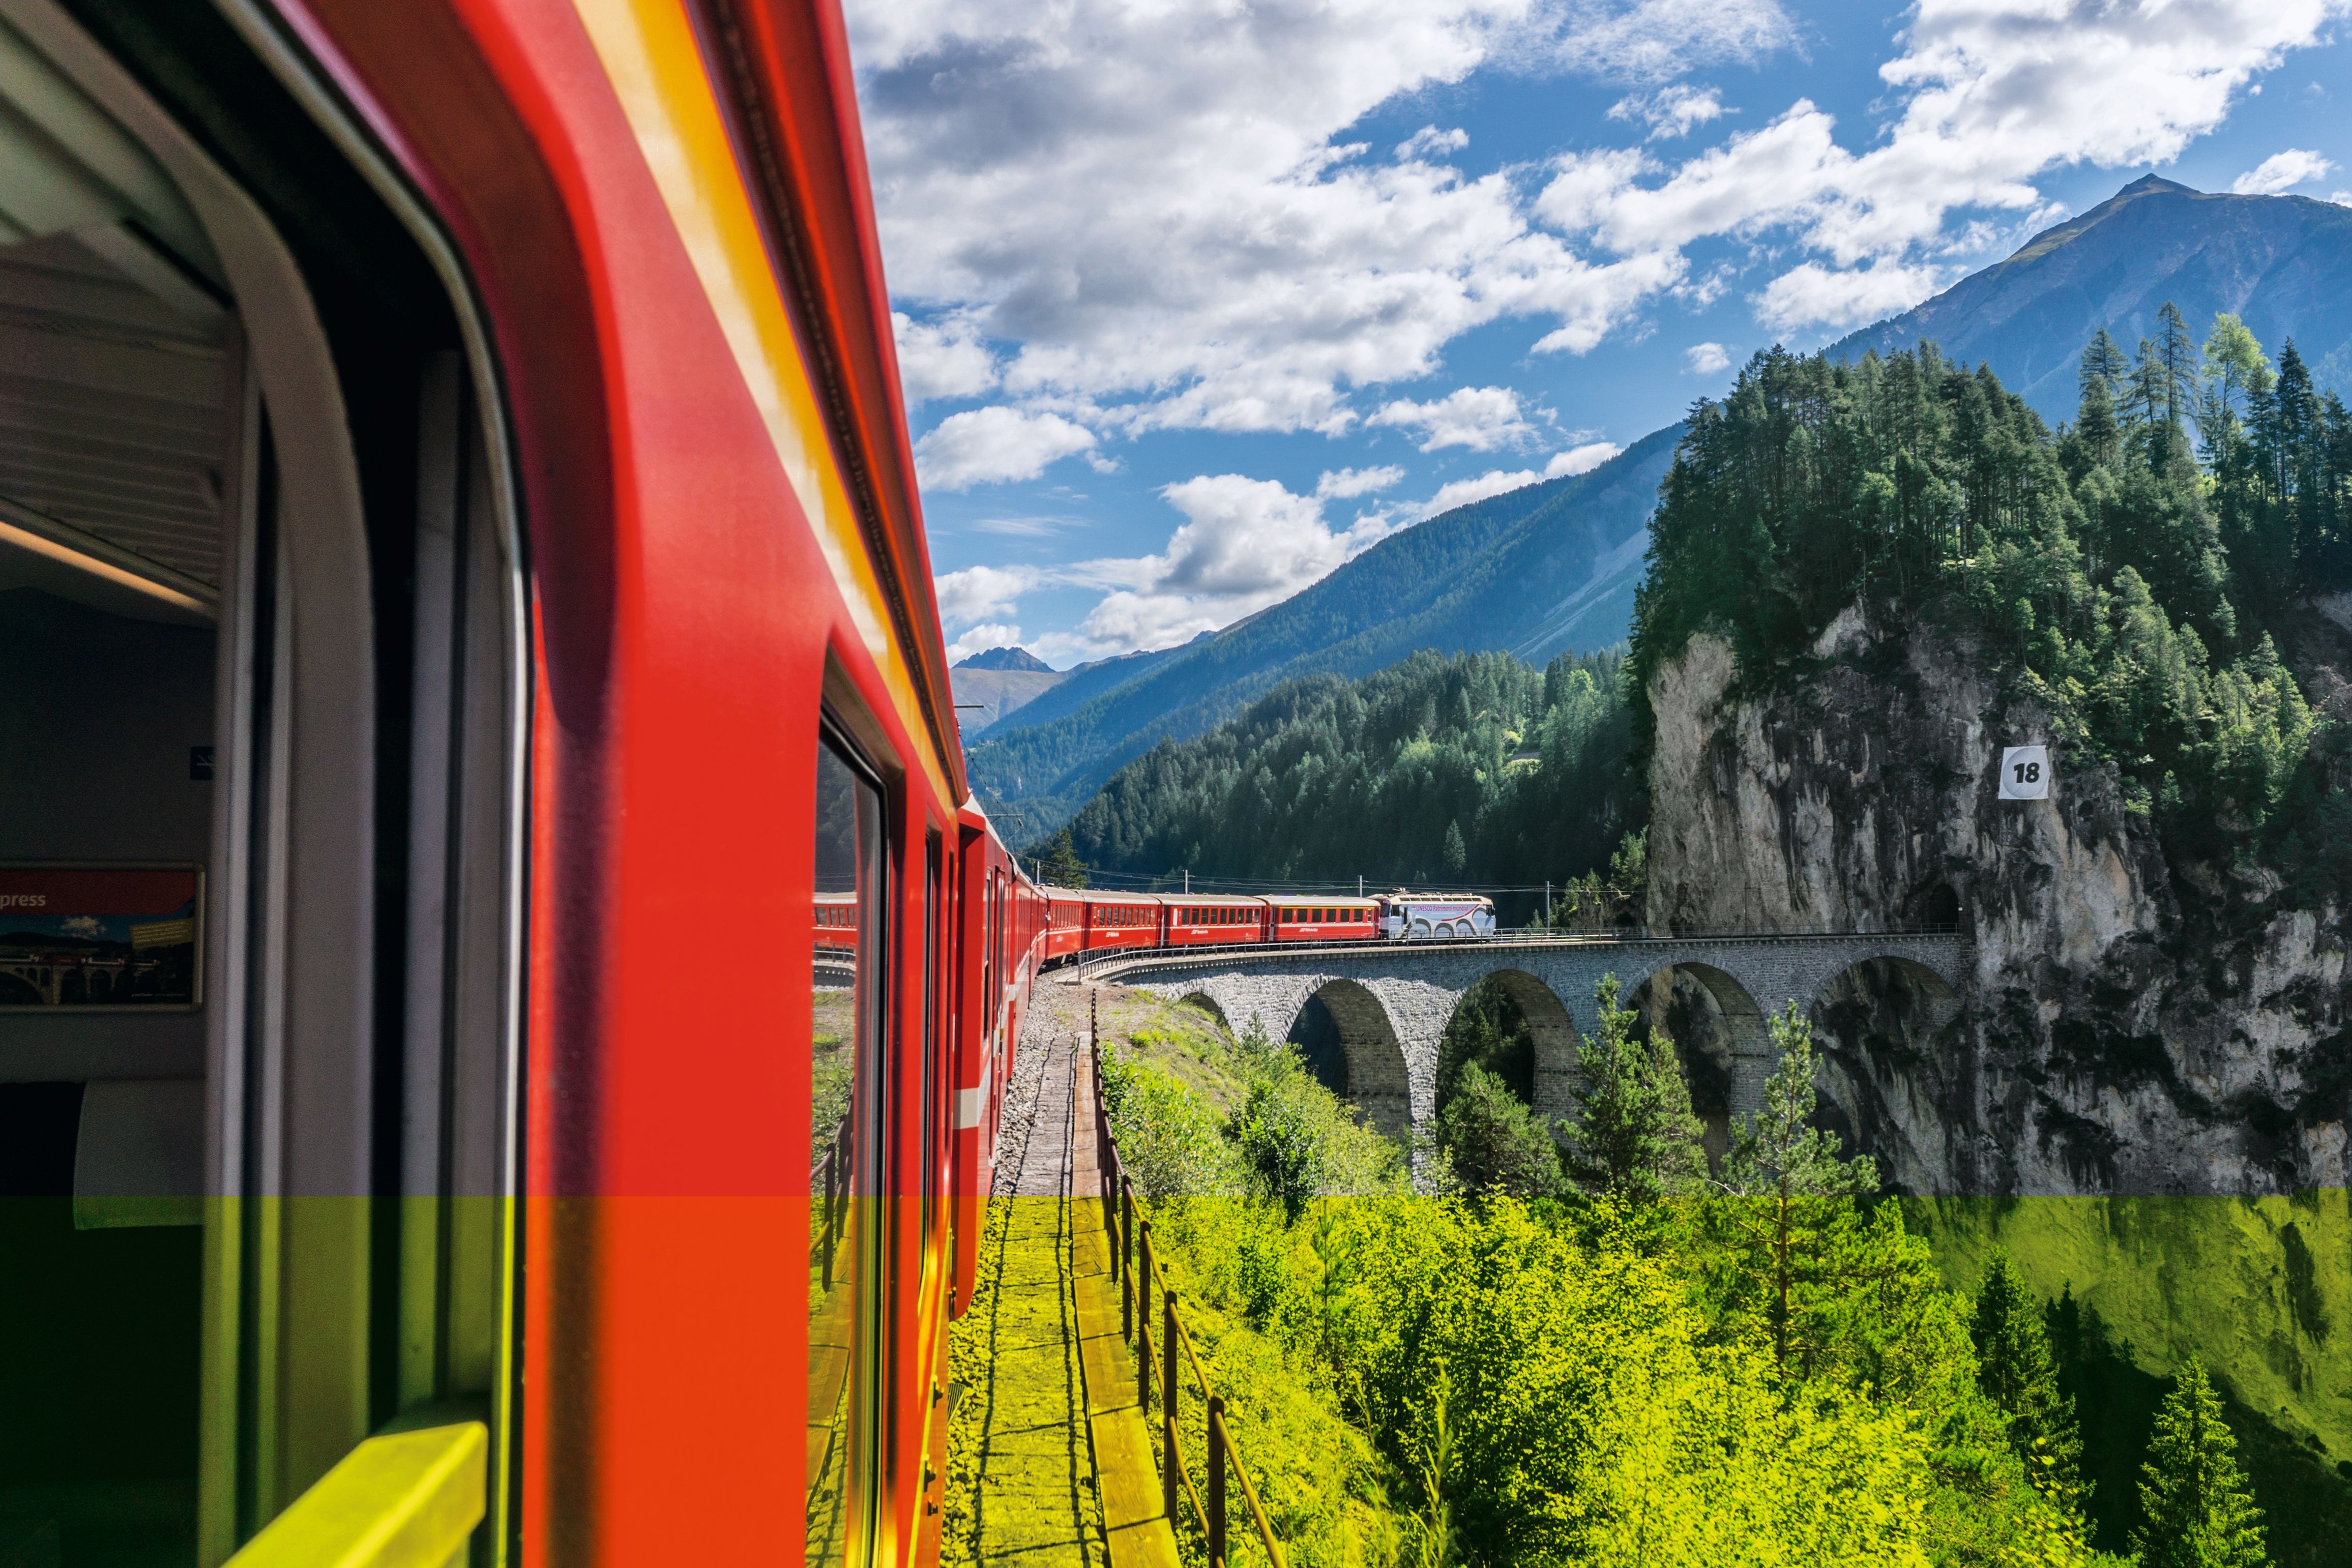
{"x":1461,"y":581}
{"x":2282,"y":264}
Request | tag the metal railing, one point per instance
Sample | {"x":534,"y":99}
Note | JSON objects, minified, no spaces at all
{"x":1134,"y":1264}
{"x":1081,"y":965}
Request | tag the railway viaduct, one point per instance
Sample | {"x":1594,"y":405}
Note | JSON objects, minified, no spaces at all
{"x":1392,"y":1002}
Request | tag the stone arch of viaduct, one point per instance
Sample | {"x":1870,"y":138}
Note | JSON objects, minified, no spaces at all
{"x":1392,"y":1003}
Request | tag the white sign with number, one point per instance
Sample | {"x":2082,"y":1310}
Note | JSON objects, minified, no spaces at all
{"x":2025,"y":773}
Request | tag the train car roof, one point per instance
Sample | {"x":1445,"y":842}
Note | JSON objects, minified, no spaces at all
{"x":1316,"y":900}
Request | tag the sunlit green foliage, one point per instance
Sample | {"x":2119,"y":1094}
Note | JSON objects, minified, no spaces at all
{"x":1592,"y":1382}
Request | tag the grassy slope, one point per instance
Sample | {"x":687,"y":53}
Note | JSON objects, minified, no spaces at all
{"x":1328,"y":1494}
{"x":2261,"y":1288}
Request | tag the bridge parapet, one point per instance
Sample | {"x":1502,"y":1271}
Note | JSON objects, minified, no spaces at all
{"x":1392,"y":1000}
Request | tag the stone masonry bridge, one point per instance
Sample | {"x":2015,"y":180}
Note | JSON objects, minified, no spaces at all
{"x":1391,"y":1001}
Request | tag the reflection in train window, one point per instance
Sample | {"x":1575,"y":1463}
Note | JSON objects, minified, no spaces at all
{"x":846,"y":1117}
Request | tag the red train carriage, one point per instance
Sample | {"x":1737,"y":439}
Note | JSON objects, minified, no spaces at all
{"x":1120,"y":920}
{"x":1066,"y":919}
{"x":1204,"y":920}
{"x":1320,"y":918}
{"x":457,"y":499}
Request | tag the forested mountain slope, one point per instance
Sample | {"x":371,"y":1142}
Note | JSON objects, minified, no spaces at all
{"x":2282,"y":264}
{"x":1538,"y":571}
{"x":1473,"y":769}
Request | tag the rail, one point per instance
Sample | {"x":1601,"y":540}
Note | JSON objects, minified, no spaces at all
{"x":1135,"y":1263}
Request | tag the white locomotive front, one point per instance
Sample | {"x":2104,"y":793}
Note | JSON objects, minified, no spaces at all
{"x":1432,"y":916}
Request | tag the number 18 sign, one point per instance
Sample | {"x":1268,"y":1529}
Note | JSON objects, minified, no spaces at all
{"x":2025,"y":773}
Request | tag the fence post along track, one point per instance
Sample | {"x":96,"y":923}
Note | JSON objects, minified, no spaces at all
{"x":1135,"y":1263}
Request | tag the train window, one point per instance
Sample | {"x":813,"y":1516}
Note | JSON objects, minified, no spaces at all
{"x":846,"y":1120}
{"x":934,"y":1022}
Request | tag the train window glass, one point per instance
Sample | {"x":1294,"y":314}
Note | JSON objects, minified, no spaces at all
{"x":846,"y":1114}
{"x":934,"y":1022}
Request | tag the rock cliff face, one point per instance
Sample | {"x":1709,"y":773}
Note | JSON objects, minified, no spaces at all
{"x":2131,"y":1028}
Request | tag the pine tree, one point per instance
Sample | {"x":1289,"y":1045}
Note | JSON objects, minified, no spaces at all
{"x":1634,"y":1135}
{"x":2199,"y":1511}
{"x":1800,"y":1226}
{"x":1057,"y":862}
{"x":2094,"y":417}
{"x":2015,"y":1369}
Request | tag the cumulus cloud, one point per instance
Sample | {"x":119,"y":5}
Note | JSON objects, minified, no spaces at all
{"x":1345,"y":482}
{"x":1480,"y":418}
{"x":1244,"y":544}
{"x":1496,"y":481}
{"x":1670,"y":112}
{"x":982,"y":638}
{"x":1151,"y":214}
{"x":1428,"y":140}
{"x":941,"y":359}
{"x":995,"y":446}
{"x":1705,"y":359}
{"x":1813,"y":295}
{"x":2280,"y":172}
{"x":1651,"y":40}
{"x":979,"y":592}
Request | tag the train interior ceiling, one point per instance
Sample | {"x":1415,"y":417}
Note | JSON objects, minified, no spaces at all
{"x":256,"y":649}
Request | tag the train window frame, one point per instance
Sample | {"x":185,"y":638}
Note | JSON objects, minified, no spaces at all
{"x":932,"y":1053}
{"x":867,"y":1183}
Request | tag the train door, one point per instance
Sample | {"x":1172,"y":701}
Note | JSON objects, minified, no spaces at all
{"x":258,"y":810}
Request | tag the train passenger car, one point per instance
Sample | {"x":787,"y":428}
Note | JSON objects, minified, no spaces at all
{"x":462,"y":596}
{"x":1121,"y":920}
{"x":1203,"y":920}
{"x":1318,"y":917}
{"x":1002,"y":918}
{"x":1067,"y":921}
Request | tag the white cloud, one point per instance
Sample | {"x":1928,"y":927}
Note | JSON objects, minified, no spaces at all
{"x":1581,"y":459}
{"x":1480,"y":418}
{"x":1671,"y":112}
{"x":979,"y":593}
{"x":995,"y":445}
{"x":981,"y":639}
{"x":1813,"y":295}
{"x":1705,"y":359}
{"x":1342,"y":483}
{"x":1244,"y":544}
{"x":941,"y":359}
{"x":1497,"y":482}
{"x":1651,"y":40}
{"x":1149,"y":212}
{"x":1429,"y":139}
{"x":2282,"y":171}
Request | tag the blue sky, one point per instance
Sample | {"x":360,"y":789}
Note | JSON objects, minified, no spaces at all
{"x":1196,"y":300}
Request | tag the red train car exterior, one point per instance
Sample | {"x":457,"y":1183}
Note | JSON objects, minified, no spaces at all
{"x":1208,"y":921}
{"x":747,"y":1194}
{"x":1117,"y":920}
{"x":1317,"y":918}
